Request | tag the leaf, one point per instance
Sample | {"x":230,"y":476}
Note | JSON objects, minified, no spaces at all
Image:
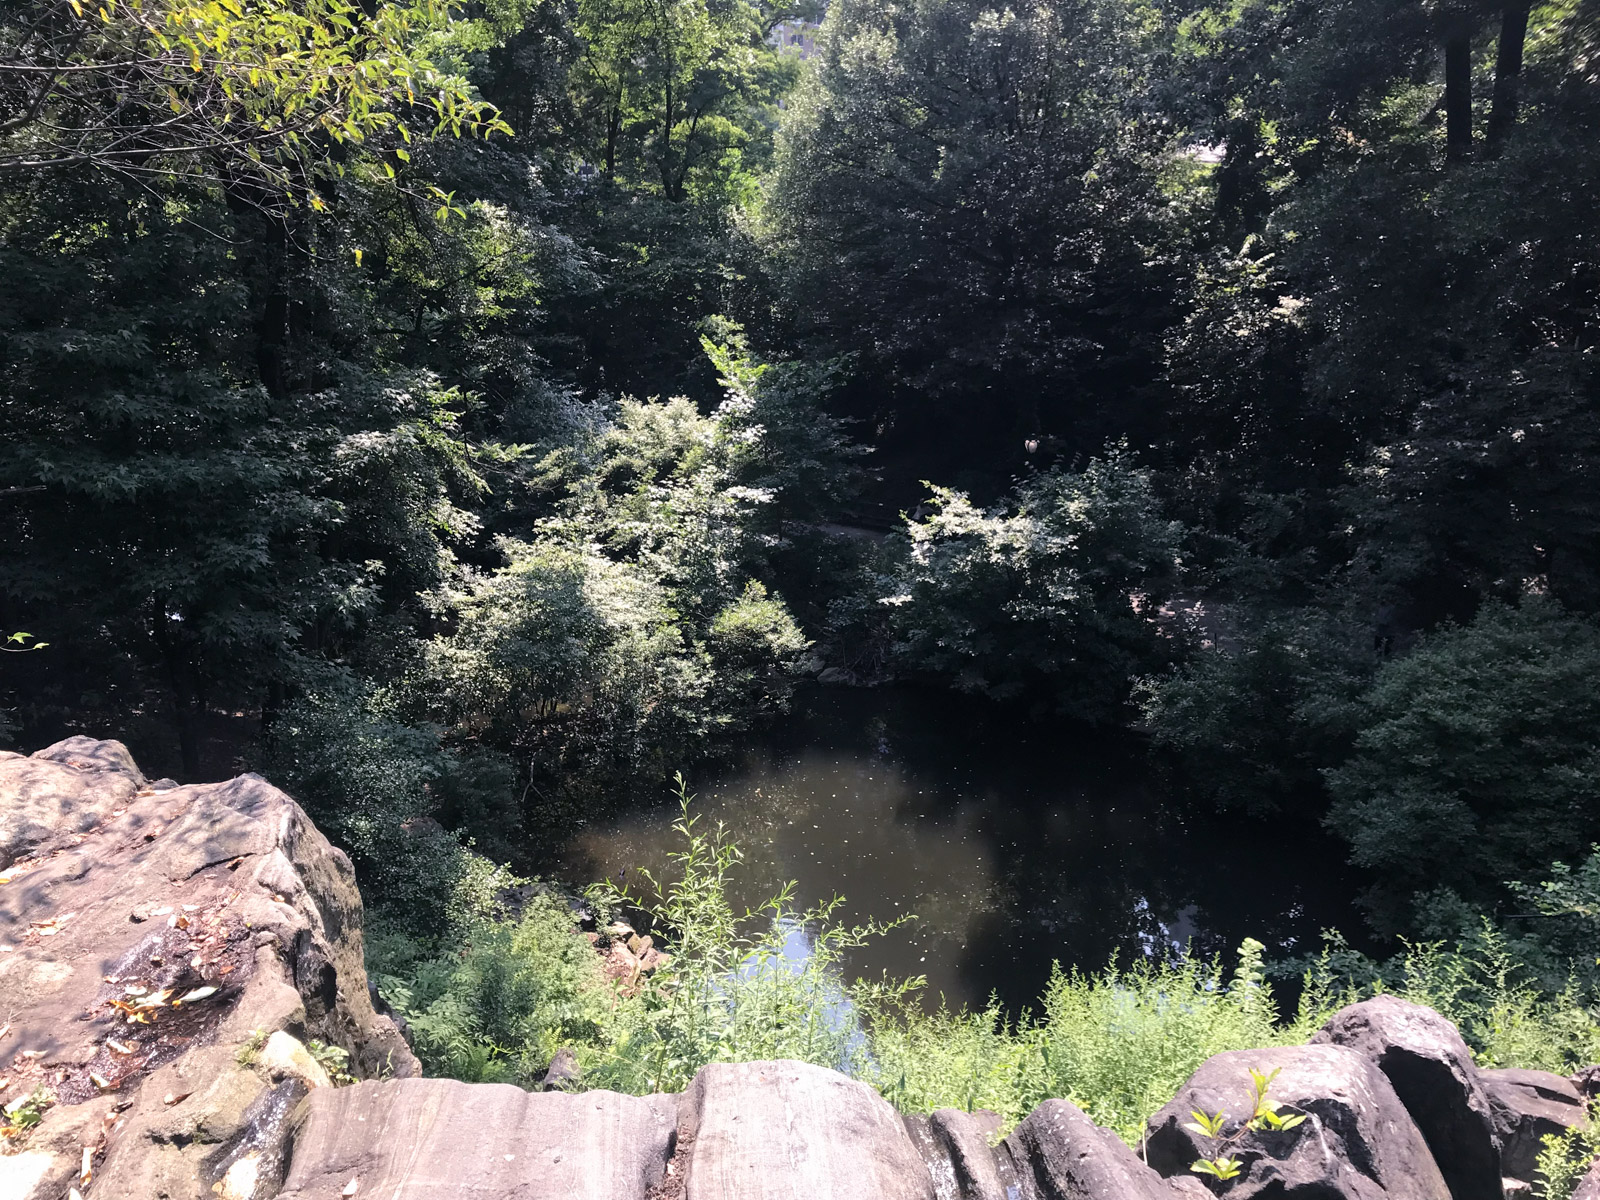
{"x":199,"y":993}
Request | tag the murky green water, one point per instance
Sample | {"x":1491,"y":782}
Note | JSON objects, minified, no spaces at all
{"x":1014,"y":843}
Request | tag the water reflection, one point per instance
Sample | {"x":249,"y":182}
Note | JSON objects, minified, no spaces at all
{"x":1014,"y":843}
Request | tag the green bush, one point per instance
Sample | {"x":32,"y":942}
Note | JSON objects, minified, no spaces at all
{"x":1054,"y":595}
{"x":376,"y":787}
{"x":1476,"y":761}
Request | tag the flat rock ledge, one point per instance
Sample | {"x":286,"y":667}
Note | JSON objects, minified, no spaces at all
{"x":169,"y":954}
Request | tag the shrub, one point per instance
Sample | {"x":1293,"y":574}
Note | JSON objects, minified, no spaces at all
{"x":1054,"y":595}
{"x":1476,"y":760}
{"x":373,"y":784}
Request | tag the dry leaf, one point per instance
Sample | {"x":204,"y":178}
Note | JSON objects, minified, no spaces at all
{"x":350,"y":1188}
{"x":5,"y":1029}
{"x":100,"y":1081}
{"x":119,"y":1047}
{"x":87,"y":1173}
{"x":199,"y":993}
{"x":175,"y":1097}
{"x":33,"y":1054}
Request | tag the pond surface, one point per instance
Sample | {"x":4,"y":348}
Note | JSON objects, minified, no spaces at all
{"x":1015,"y":843}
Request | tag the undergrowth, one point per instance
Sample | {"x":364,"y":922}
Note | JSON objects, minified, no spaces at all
{"x":497,"y":996}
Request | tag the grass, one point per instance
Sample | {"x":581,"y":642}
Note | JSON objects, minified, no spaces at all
{"x":498,"y":997}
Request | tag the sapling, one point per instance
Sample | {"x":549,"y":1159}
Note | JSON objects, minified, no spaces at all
{"x":1267,"y":1114}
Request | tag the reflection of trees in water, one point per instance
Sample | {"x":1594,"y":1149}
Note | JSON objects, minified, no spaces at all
{"x":1015,"y":844}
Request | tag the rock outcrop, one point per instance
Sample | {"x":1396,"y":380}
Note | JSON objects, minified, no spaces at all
{"x":1527,"y":1107}
{"x":425,"y":1139}
{"x":150,"y":942}
{"x":1065,"y":1156}
{"x":170,"y":958}
{"x":1432,"y":1072}
{"x":1358,"y":1142}
{"x":791,"y":1131}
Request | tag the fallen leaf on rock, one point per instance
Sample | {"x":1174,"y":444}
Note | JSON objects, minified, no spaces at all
{"x":350,"y":1188}
{"x":199,"y":993}
{"x":100,"y":1081}
{"x":175,"y":1097}
{"x":33,"y":1054}
{"x":87,"y":1173}
{"x":119,"y":1047}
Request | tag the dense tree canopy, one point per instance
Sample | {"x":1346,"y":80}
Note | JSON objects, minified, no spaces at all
{"x":504,"y":402}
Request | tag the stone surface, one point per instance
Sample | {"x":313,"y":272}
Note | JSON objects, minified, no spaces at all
{"x":1060,"y":1154}
{"x":1589,"y":1186}
{"x":1358,"y":1142}
{"x":955,"y":1147}
{"x":1432,"y":1072}
{"x":285,"y":1056}
{"x":65,"y":789}
{"x":1527,"y":1106}
{"x":437,"y":1139}
{"x":791,"y":1131}
{"x":116,"y":894}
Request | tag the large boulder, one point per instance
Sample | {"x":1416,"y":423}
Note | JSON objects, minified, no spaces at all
{"x":1358,"y":1142}
{"x":956,"y":1148}
{"x":436,"y":1139}
{"x":1589,"y":1186}
{"x":792,"y":1131}
{"x":1062,"y":1155}
{"x":1432,"y":1072}
{"x":150,"y":943}
{"x":64,"y":789}
{"x":1527,"y":1107}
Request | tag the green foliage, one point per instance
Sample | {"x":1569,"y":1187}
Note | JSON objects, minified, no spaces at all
{"x":335,"y":1060}
{"x":236,"y":92}
{"x":1504,"y":1011}
{"x":1254,"y":718}
{"x":24,"y":1113}
{"x":678,"y":97}
{"x":963,"y":197}
{"x":498,"y":997}
{"x":1119,"y":1043}
{"x":1057,"y":594}
{"x":1566,"y":1159}
{"x":1475,"y":761}
{"x":1264,"y":1115}
{"x":505,"y":995}
{"x":375,"y":785}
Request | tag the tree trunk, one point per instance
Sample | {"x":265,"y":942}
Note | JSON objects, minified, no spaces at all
{"x":187,"y":702}
{"x":1458,"y":86}
{"x":613,"y":132}
{"x":1508,"y":71}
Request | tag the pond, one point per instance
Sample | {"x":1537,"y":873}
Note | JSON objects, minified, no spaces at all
{"x":1015,"y":843}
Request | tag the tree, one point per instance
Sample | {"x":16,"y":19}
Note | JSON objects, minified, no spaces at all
{"x":1054,"y":597}
{"x":966,"y":200}
{"x":259,"y":92}
{"x":678,"y":90}
{"x":1476,"y":761}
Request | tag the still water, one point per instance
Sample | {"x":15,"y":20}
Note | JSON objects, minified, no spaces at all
{"x":1014,"y":843}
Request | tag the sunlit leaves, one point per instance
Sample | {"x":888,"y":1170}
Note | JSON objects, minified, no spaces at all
{"x":271,"y":86}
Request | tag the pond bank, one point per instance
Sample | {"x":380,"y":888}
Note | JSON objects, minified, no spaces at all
{"x":1015,"y":843}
